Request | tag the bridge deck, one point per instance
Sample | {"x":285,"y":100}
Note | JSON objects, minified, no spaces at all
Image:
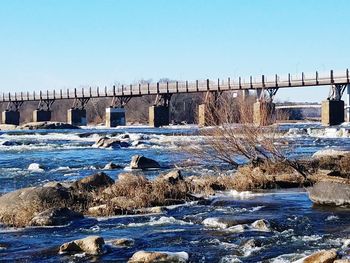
{"x":185,"y":87}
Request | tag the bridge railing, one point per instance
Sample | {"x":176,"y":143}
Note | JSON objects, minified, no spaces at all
{"x":276,"y":81}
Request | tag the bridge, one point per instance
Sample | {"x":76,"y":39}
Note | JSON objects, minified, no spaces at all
{"x":266,"y":88}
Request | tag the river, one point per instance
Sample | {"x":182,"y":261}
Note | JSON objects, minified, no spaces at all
{"x":297,"y":227}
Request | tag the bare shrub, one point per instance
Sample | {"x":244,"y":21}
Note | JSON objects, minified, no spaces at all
{"x":230,"y":142}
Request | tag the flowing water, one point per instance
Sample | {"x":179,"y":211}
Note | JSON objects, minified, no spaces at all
{"x":203,"y":230}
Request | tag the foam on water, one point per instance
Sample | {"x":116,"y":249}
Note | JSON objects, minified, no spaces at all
{"x":164,"y":220}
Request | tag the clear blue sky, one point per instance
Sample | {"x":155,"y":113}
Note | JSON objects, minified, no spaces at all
{"x":47,"y":44}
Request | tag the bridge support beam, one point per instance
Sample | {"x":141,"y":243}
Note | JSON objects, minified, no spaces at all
{"x":41,"y":115}
{"x":332,"y":112}
{"x":115,"y":117}
{"x":263,"y":113}
{"x":10,"y":117}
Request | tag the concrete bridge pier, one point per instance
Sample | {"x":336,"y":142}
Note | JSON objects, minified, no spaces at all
{"x":43,"y":112}
{"x":332,"y":109}
{"x":77,"y":114}
{"x":12,"y":115}
{"x":264,"y":113}
{"x":77,"y":117}
{"x":115,"y":117}
{"x":41,"y":115}
{"x":115,"y":114}
{"x":264,"y":110}
{"x":207,"y":111}
{"x":159,"y":113}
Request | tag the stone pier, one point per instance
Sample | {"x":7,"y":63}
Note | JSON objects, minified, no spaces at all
{"x":159,"y":116}
{"x":332,"y":112}
{"x":77,"y":117}
{"x":10,"y":117}
{"x":115,"y":117}
{"x":202,"y":115}
{"x":263,"y":113}
{"x":41,"y":115}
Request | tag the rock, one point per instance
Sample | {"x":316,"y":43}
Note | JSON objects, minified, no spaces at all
{"x":261,"y":225}
{"x":124,"y":136}
{"x":35,"y":167}
{"x":55,"y":217}
{"x":106,"y":142}
{"x":98,"y":210}
{"x":47,"y":126}
{"x":149,"y":257}
{"x":10,"y":143}
{"x":342,"y":261}
{"x":122,"y":242}
{"x":57,"y":184}
{"x":92,"y":245}
{"x":112,"y":166}
{"x":172,"y":177}
{"x":141,"y":162}
{"x":330,"y":193}
{"x":152,"y":210}
{"x":336,"y":153}
{"x":19,"y":207}
{"x":93,"y":182}
{"x":324,"y":256}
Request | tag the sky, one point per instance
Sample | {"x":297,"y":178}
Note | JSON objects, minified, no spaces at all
{"x":54,"y":44}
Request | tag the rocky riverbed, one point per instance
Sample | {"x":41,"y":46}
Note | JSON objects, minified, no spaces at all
{"x":134,"y":195}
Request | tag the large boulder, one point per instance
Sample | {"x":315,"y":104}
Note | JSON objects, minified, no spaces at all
{"x":330,"y":193}
{"x":92,"y":245}
{"x":149,"y":257}
{"x":106,"y":142}
{"x":324,"y":256}
{"x":93,"y":182}
{"x":55,"y":217}
{"x":172,"y":177}
{"x":142,"y":162}
{"x":19,"y":207}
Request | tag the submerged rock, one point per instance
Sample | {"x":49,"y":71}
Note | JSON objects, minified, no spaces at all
{"x":106,"y":142}
{"x":93,"y":182}
{"x":261,"y":225}
{"x":122,"y":242}
{"x":112,"y":166}
{"x":55,"y":217}
{"x":141,"y":162}
{"x":92,"y":245}
{"x":324,"y":256}
{"x":149,"y":257}
{"x":47,"y":126}
{"x":330,"y":193}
